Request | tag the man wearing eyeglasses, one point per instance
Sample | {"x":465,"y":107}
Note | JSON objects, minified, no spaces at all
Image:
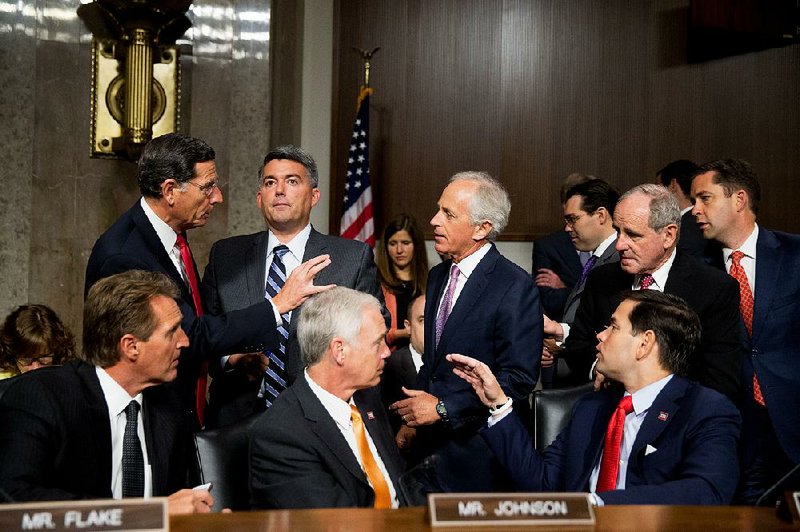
{"x":179,"y":185}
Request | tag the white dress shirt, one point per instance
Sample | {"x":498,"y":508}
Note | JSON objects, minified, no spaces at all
{"x":659,"y":276}
{"x":291,"y":260}
{"x":340,"y":412}
{"x":465,"y":269}
{"x":167,"y":236}
{"x":117,"y":400}
{"x":748,"y":262}
{"x":416,"y":357}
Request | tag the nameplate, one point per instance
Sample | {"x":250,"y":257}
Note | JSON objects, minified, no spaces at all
{"x":487,"y":509}
{"x":128,"y":515}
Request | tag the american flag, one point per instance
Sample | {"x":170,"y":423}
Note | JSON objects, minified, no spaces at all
{"x":357,"y":218}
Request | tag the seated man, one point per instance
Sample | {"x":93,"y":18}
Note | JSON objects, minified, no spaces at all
{"x":311,"y":449}
{"x":675,"y":439}
{"x":101,"y":427}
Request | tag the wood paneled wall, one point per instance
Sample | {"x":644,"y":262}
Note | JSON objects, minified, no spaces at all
{"x":532,"y":90}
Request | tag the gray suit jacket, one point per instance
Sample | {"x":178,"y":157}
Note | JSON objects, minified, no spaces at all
{"x":234,"y":278}
{"x":574,"y":298}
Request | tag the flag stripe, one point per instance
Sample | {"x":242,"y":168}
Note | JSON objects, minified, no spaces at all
{"x":357,"y":221}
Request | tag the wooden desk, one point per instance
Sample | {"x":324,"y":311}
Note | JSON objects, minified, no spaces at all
{"x":611,"y":518}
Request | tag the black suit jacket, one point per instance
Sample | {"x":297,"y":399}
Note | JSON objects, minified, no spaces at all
{"x":498,"y":320}
{"x":708,"y":291}
{"x":299,"y":458}
{"x":691,"y":434}
{"x":692,"y":242}
{"x":131,"y":243}
{"x":556,"y":252}
{"x":234,"y":279}
{"x":399,"y":371}
{"x":55,"y":436}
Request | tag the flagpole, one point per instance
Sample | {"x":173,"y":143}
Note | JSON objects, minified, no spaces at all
{"x":366,"y":56}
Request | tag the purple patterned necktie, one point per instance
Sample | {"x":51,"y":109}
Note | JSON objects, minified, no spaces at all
{"x":586,"y":269}
{"x":447,"y":302}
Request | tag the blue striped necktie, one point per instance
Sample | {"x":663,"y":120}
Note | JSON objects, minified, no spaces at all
{"x":275,"y":376}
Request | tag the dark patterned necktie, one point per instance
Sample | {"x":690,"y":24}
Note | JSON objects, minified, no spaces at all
{"x":647,"y":282}
{"x":132,"y":459}
{"x":275,"y":375}
{"x":590,"y":262}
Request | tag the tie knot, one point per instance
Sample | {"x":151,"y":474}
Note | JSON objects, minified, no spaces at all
{"x":626,"y":404}
{"x":737,"y":256}
{"x":280,"y":251}
{"x":181,"y":241}
{"x":132,"y":409}
{"x":355,"y":415}
{"x":454,"y":271}
{"x":647,"y":281}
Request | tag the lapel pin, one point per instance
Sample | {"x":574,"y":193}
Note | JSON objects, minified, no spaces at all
{"x":370,"y":414}
{"x":662,"y":416}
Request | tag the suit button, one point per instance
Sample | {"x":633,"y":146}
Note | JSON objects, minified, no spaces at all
{"x":434,"y":378}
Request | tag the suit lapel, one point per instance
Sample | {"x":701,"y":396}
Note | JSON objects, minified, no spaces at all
{"x":768,"y":260}
{"x":326,"y":429}
{"x":436,"y":282}
{"x":97,"y":413}
{"x":658,"y":417}
{"x":596,"y":438}
{"x":679,"y":279}
{"x":255,"y":265}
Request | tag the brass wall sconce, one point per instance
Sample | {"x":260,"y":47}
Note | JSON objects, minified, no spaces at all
{"x":135,"y":72}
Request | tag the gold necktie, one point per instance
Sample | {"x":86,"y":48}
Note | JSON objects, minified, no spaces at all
{"x":374,"y":475}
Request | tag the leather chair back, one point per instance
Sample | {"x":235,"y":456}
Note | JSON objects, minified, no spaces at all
{"x":551,"y":411}
{"x":222,"y":458}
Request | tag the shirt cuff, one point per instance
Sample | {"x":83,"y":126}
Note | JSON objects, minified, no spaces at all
{"x":497,"y":415}
{"x":596,"y":500}
{"x":276,"y":313}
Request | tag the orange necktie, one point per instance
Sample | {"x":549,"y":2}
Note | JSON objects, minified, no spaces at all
{"x":374,"y":475}
{"x":746,"y":304}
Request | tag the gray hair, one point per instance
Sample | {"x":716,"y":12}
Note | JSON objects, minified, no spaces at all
{"x":490,"y":201}
{"x":292,"y":153}
{"x":664,"y":208}
{"x":335,"y":312}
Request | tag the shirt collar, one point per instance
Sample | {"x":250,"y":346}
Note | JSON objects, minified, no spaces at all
{"x":339,"y":410}
{"x":604,"y":244}
{"x":643,"y":398}
{"x":165,"y":233}
{"x":687,"y":209}
{"x":297,"y":245}
{"x":117,"y":398}
{"x":661,"y":274}
{"x":748,"y":247}
{"x":469,"y":263}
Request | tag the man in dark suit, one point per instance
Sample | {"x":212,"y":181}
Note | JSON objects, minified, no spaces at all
{"x":666,"y":440}
{"x":647,"y":219}
{"x":326,"y":442}
{"x":403,"y":365}
{"x":765,"y":264}
{"x":556,"y":265}
{"x":481,"y":304}
{"x":238,"y":268}
{"x":65,"y":431}
{"x":588,"y":215}
{"x":178,"y":182}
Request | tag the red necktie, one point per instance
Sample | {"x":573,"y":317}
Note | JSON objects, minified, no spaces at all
{"x":647,"y":281}
{"x":746,"y":304}
{"x":202,"y":378}
{"x":609,"y":466}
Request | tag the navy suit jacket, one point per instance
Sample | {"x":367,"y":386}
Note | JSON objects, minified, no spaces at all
{"x":497,"y":319}
{"x":556,"y":252}
{"x":131,"y":243}
{"x":55,"y":436}
{"x":693,"y":429}
{"x":710,"y":292}
{"x":299,"y":458}
{"x":234,"y":279}
{"x":774,"y":350}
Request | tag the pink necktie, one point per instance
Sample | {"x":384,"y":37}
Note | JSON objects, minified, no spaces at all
{"x":447,"y":302}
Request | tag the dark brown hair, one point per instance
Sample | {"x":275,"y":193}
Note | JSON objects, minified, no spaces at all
{"x":31,"y":331}
{"x":419,"y":262}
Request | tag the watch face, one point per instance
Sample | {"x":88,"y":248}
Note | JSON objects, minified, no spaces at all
{"x":440,"y":409}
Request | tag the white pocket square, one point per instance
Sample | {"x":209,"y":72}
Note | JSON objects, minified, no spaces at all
{"x":649,"y":449}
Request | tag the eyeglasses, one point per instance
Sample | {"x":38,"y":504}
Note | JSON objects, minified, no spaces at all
{"x":572,"y":219}
{"x":207,"y":189}
{"x":44,"y":360}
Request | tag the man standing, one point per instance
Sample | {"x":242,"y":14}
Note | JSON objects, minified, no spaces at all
{"x":102,"y":427}
{"x":478,"y":303}
{"x":665,"y":440}
{"x":326,"y":441}
{"x":179,"y":186}
{"x":765,"y":264}
{"x":588,"y":218}
{"x":244,"y":270}
{"x":648,"y":220}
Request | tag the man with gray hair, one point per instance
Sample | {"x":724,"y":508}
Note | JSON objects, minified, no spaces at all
{"x":326,"y":441}
{"x":284,"y":264}
{"x":477,"y":303}
{"x":647,"y":218}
